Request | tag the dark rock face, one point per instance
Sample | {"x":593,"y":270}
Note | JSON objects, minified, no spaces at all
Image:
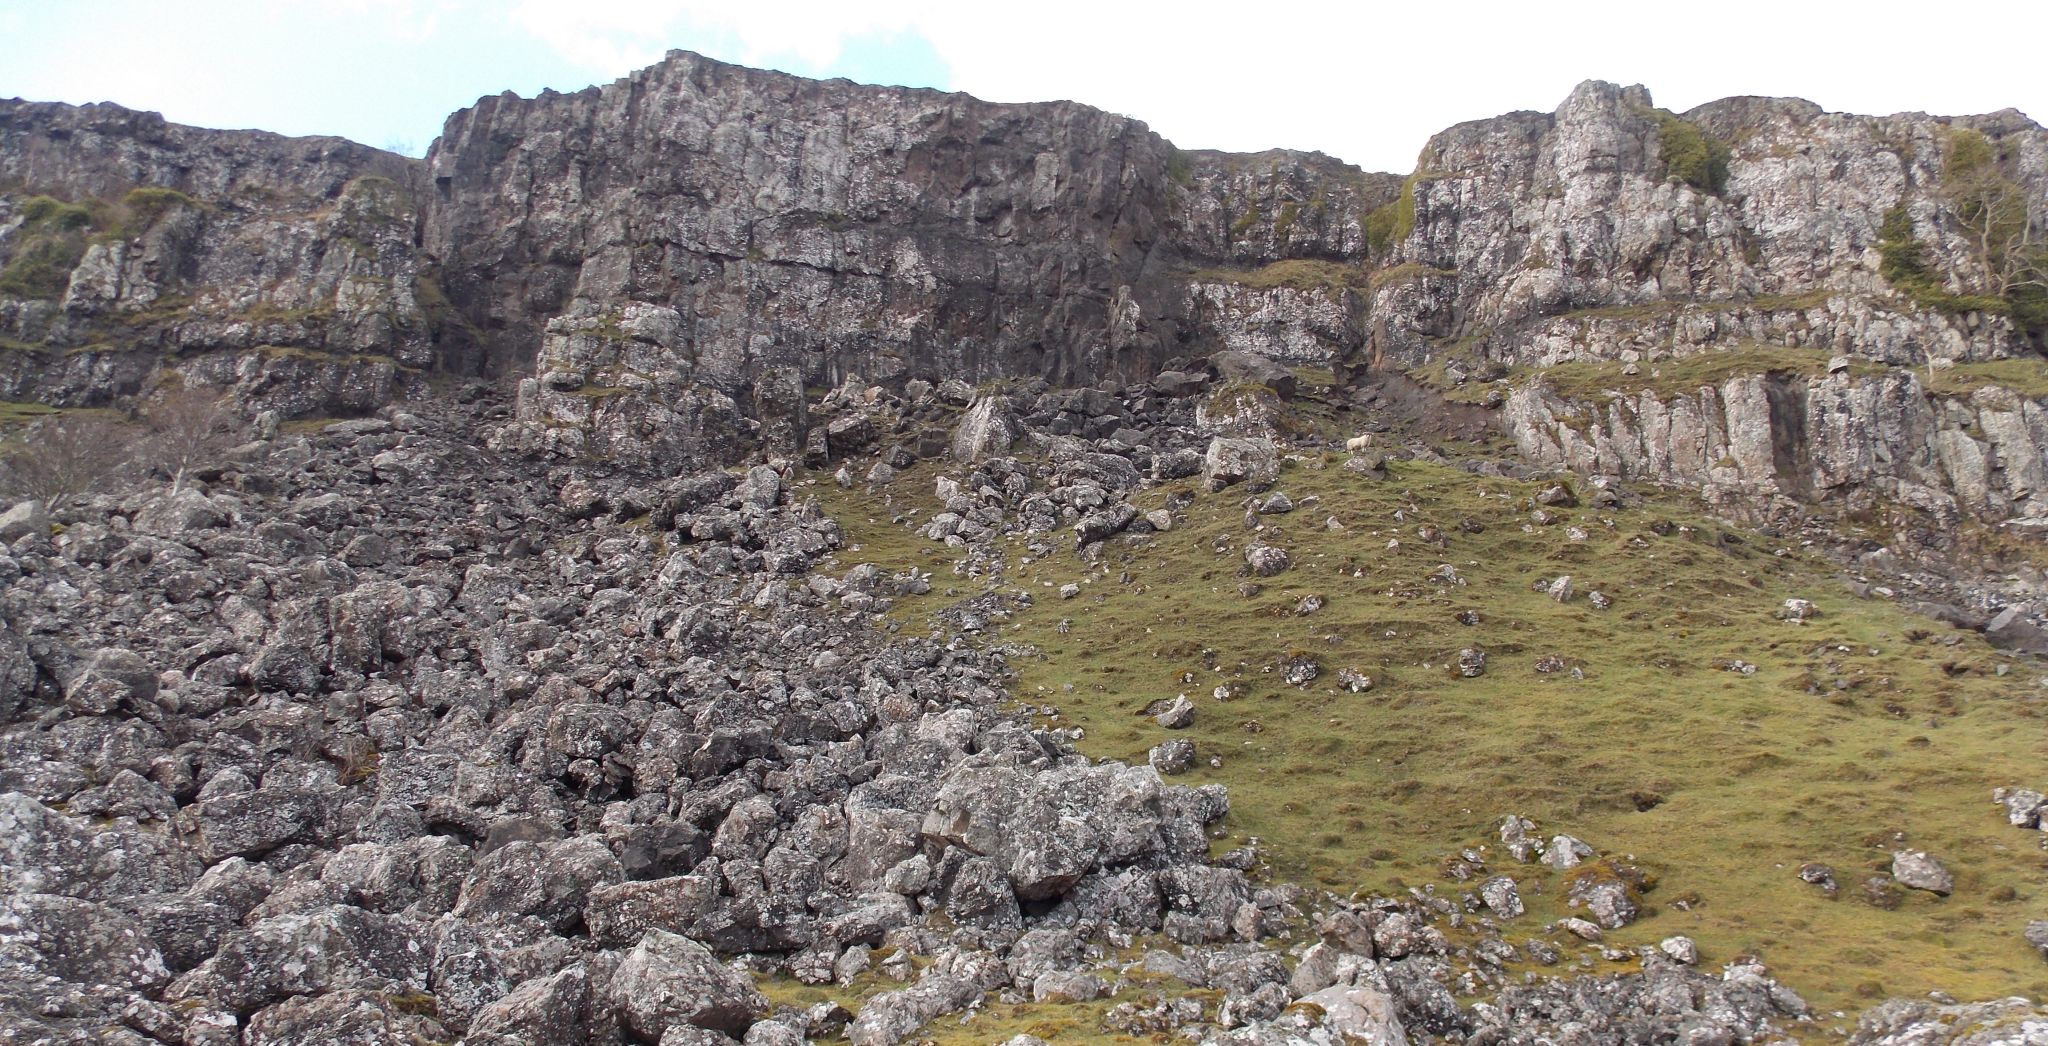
{"x":885,"y":233}
{"x":281,"y":267}
{"x":678,"y":235}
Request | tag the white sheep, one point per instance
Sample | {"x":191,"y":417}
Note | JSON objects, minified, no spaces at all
{"x":1358,"y":443}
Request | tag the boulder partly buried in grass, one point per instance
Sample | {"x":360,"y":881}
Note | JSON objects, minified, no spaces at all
{"x":1916,"y":869}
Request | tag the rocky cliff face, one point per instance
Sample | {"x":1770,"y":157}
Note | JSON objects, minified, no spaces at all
{"x":1761,"y":229}
{"x":1526,"y":224}
{"x":134,"y":250}
{"x":684,"y":259}
{"x":1757,"y":439}
{"x":698,"y":231}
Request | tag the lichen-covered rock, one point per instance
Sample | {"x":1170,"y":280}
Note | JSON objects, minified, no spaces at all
{"x":1045,"y":831}
{"x":551,"y":882}
{"x":82,"y":942}
{"x":1916,"y":869}
{"x":669,"y":980}
{"x":946,"y":987}
{"x":355,"y":1017}
{"x":326,"y":950}
{"x":42,"y":851}
{"x":324,"y":315}
{"x":1253,"y":462}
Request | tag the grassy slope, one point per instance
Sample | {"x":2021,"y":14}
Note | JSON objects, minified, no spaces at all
{"x":999,"y":1021}
{"x":1753,"y":775}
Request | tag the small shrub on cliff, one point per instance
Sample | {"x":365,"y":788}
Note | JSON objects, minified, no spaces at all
{"x":1902,"y":261}
{"x":2009,"y":247}
{"x":144,"y":206}
{"x":1691,"y":155}
{"x":47,"y":246}
{"x":1393,"y":221}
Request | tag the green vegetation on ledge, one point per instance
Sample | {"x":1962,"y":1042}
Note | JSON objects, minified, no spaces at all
{"x":1902,"y":261}
{"x":54,"y":235}
{"x":1300,"y":274}
{"x":1691,"y":155}
{"x":1392,"y":222}
{"x":48,"y":245}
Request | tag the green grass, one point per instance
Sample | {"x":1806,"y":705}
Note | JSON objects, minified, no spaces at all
{"x":16,"y":413}
{"x":1864,"y":723}
{"x":1794,"y":302}
{"x":55,"y":233}
{"x":1687,"y":373}
{"x":2027,"y":376}
{"x":997,"y":1021}
{"x":142,"y":207}
{"x":44,"y":250}
{"x":1407,"y":272}
{"x":1391,"y":223}
{"x":1299,"y":274}
{"x":1664,"y":378}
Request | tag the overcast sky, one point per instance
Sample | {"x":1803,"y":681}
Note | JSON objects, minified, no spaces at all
{"x":1367,"y":82}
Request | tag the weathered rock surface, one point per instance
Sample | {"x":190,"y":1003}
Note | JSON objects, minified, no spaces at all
{"x":668,"y":980}
{"x":323,"y":315}
{"x":385,"y":732}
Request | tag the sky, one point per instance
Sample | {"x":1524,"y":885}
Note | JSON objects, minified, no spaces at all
{"x":1368,"y":82}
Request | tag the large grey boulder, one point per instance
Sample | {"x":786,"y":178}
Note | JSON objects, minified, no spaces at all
{"x":251,"y":824}
{"x":1045,"y":831}
{"x":669,"y":980}
{"x":23,"y":519}
{"x":986,"y":430}
{"x":1360,"y":1013}
{"x":948,"y":986}
{"x":1253,"y":462}
{"x":1916,"y":869}
{"x":544,"y":1011}
{"x":43,"y":851}
{"x":110,"y":679}
{"x":1266,"y":560}
{"x":81,"y":942}
{"x":551,"y":882}
{"x":309,"y":953}
{"x":1248,"y":368}
{"x":352,"y":1016}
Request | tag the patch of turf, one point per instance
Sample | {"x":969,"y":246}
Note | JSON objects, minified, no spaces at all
{"x":1301,"y":274}
{"x":1862,"y":731}
{"x":998,"y":1021}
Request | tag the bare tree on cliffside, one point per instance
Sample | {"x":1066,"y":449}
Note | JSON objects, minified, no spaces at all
{"x":2005,"y":235}
{"x":188,"y":428}
{"x":62,"y":456}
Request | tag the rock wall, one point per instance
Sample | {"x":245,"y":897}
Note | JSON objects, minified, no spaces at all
{"x":1851,"y":440}
{"x":1529,"y":225}
{"x":132,"y":249}
{"x":676,"y":261}
{"x":757,"y":223}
